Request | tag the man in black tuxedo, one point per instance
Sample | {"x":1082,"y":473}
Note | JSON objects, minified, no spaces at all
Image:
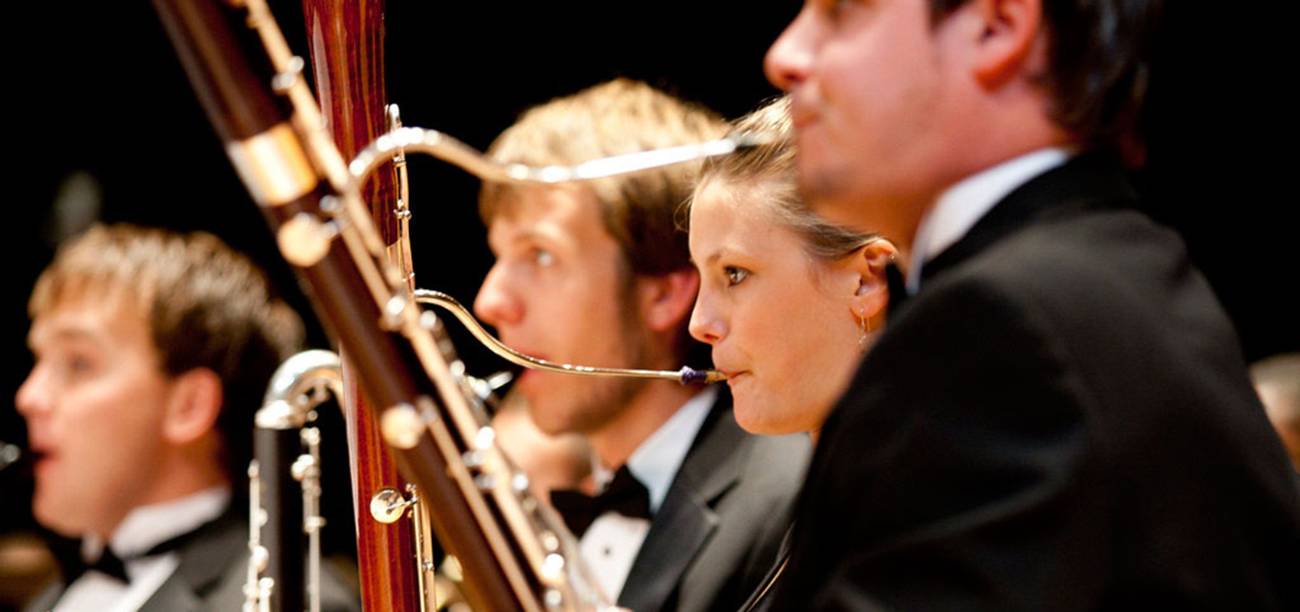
{"x":691,"y":509}
{"x":1057,"y":416}
{"x":152,"y":350}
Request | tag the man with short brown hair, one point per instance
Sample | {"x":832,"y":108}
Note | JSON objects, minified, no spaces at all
{"x":152,"y":350}
{"x":598,"y":274}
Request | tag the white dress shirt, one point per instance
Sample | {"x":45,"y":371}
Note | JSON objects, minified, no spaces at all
{"x":142,"y":529}
{"x":960,"y":206}
{"x":611,"y":543}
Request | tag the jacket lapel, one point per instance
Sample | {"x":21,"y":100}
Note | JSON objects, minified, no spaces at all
{"x":46,"y":599}
{"x":1089,"y":180}
{"x":203,"y":562}
{"x":175,"y":595}
{"x":686,"y":520}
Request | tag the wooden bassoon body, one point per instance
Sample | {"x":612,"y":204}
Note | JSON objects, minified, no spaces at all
{"x":346,"y":39}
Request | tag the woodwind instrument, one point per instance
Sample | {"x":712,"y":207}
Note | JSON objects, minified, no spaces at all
{"x":284,"y":486}
{"x":513,"y":552}
{"x":514,"y":555}
{"x":346,"y":44}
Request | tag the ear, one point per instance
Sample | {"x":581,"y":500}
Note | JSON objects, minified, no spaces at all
{"x":1006,"y":35}
{"x":193,"y":406}
{"x":666,"y":300}
{"x":871,"y":298}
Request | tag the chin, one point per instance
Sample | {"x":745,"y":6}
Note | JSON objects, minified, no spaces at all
{"x":547,"y":424}
{"x":56,"y":517}
{"x":840,"y":208}
{"x":759,"y":421}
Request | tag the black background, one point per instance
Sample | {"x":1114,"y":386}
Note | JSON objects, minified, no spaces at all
{"x":95,"y":88}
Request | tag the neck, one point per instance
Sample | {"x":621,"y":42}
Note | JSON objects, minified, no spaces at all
{"x":648,"y":410}
{"x":176,"y":478}
{"x":1013,"y":120}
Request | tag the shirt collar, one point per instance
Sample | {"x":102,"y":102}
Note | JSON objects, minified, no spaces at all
{"x":146,"y":526}
{"x":960,"y":206}
{"x":656,"y":461}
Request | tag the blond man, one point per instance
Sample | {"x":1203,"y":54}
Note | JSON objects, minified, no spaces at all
{"x":599,"y":274}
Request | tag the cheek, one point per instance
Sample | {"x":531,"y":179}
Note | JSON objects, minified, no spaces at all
{"x":762,"y":325}
{"x":772,"y":343}
{"x":124,"y":413}
{"x":851,"y":74}
{"x":836,"y":361}
{"x":818,"y":351}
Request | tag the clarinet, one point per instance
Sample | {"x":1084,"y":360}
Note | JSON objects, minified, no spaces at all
{"x":284,"y":486}
{"x":514,"y":554}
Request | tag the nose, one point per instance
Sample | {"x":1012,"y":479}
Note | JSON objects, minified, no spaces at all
{"x":496,"y":303}
{"x":790,"y":57}
{"x":705,"y":325}
{"x":33,"y":396}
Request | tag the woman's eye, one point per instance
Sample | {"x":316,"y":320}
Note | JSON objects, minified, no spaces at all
{"x":735,"y":275}
{"x":543,"y":257}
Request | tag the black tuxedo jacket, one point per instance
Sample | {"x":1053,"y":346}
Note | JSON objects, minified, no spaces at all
{"x":718,"y":529}
{"x":1060,"y":419}
{"x":211,"y":574}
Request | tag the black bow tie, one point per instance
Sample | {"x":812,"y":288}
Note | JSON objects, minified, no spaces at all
{"x":108,"y":564}
{"x":115,"y":567}
{"x":624,"y":495}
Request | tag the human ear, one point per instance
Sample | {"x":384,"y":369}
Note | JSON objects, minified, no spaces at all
{"x":192,"y":406}
{"x":666,"y":300}
{"x":871,"y":297}
{"x":1004,"y":37}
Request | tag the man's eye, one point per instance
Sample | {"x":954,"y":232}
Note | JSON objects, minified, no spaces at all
{"x":834,"y":8}
{"x":69,"y":367}
{"x":543,"y":257}
{"x":735,"y":275}
{"x":79,"y":364}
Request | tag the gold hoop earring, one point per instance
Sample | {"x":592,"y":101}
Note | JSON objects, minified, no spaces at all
{"x":866,"y":326}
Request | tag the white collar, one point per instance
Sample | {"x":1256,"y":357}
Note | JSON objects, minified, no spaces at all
{"x":960,"y":206}
{"x":656,"y":461}
{"x":147,"y":526}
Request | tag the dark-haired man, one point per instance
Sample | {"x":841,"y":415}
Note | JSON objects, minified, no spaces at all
{"x":1058,"y":417}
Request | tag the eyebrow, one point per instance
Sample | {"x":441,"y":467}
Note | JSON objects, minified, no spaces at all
{"x":528,"y":234}
{"x":67,"y":333}
{"x":718,"y":254}
{"x":524,"y":235}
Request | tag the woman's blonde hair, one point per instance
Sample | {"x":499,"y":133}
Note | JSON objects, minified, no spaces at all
{"x":771,"y":168}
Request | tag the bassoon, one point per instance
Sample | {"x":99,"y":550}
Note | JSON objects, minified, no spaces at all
{"x":512,"y":554}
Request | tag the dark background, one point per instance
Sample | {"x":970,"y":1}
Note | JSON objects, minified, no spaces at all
{"x":94,"y":91}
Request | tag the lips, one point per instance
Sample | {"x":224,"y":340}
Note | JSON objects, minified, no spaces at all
{"x":736,"y":376}
{"x":528,"y":376}
{"x":802,"y":121}
{"x":40,"y":459}
{"x":533,"y":354}
{"x":521,"y":348}
{"x":801,"y":114}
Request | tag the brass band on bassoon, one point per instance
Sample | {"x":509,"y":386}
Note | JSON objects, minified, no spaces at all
{"x":904,"y":337}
